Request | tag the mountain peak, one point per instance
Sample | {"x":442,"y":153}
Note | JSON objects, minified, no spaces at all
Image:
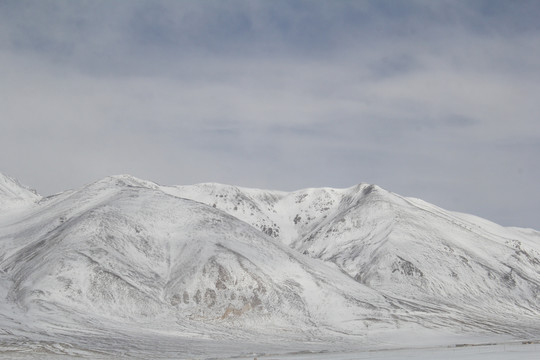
{"x":126,"y":180}
{"x":12,"y":192}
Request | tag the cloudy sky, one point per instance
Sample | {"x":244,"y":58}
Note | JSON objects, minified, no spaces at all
{"x":433,"y":99}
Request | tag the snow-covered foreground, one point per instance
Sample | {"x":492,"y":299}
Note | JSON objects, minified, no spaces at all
{"x":127,"y":267}
{"x":491,"y":352}
{"x":509,"y":351}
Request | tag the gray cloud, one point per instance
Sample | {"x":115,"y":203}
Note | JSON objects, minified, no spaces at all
{"x":429,"y":99}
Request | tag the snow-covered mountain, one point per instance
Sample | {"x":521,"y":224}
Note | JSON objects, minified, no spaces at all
{"x":468,"y":268}
{"x":124,"y":258}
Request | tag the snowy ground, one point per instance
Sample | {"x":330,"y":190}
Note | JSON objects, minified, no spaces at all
{"x":491,"y":352}
{"x":508,"y":351}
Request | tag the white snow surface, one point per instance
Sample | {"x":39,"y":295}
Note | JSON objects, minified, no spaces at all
{"x":127,"y":267}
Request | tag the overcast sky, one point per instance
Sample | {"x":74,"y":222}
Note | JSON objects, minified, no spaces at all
{"x":432,"y":99}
